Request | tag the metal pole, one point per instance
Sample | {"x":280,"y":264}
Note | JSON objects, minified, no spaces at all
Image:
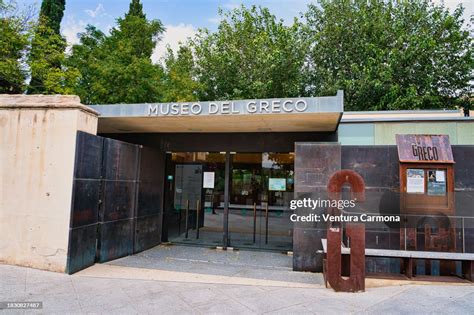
{"x":266,"y":223}
{"x":226,"y":201}
{"x":187,"y":219}
{"x":405,"y":238}
{"x":254,"y":221}
{"x":463,"y":237}
{"x":179,"y":220}
{"x":198,"y":206}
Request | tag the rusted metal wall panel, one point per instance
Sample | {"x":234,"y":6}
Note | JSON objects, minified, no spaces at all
{"x":378,"y":165}
{"x":464,"y":194}
{"x":314,"y":164}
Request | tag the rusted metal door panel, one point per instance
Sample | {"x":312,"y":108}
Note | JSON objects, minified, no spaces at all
{"x":149,"y":205}
{"x":85,"y":202}
{"x":117,"y":208}
{"x":115,"y":240}
{"x":117,"y":200}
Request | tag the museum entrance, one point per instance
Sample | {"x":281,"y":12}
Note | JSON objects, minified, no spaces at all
{"x":245,"y":207}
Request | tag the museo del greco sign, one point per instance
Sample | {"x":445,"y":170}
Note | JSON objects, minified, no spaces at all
{"x":248,"y":107}
{"x":424,"y":148}
{"x":271,"y":106}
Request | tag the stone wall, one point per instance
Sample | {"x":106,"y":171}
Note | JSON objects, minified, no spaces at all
{"x":37,"y":149}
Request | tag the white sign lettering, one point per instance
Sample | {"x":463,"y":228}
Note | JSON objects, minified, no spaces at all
{"x":274,"y":106}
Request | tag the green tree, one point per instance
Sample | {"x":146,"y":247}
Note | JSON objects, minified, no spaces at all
{"x":388,"y":54}
{"x":252,"y":55}
{"x":46,"y":58}
{"x":86,"y":58}
{"x":14,"y":30}
{"x":180,"y":84}
{"x":52,"y":11}
{"x":118,"y":68}
{"x":136,"y":9}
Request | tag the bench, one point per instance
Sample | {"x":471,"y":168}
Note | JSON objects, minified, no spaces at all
{"x":408,"y":256}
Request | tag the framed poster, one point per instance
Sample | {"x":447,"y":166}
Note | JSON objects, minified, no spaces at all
{"x":208,"y":180}
{"x":277,"y":184}
{"x":437,"y":183}
{"x":415,"y":181}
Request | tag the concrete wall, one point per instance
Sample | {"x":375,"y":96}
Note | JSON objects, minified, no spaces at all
{"x":37,"y":149}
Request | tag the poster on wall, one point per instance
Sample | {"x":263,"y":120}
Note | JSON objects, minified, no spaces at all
{"x":277,"y":184}
{"x":208,"y":180}
{"x":436,"y":183}
{"x":440,"y":176}
{"x":415,"y":181}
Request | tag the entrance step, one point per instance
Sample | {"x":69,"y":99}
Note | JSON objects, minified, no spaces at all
{"x":120,"y":272}
{"x":202,"y":262}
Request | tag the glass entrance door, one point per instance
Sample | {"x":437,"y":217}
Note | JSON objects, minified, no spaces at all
{"x":261,"y":190}
{"x":258,"y":214}
{"x":194,"y":198}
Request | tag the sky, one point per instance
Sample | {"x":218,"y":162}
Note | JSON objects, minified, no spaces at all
{"x":181,"y":18}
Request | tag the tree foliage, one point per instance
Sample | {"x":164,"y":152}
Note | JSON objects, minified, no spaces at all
{"x":388,"y":54}
{"x":14,"y":30}
{"x":118,"y":68}
{"x":136,"y":9}
{"x":383,"y":54}
{"x":251,"y":55}
{"x":46,"y":57}
{"x":180,"y":83}
{"x":52,"y":11}
{"x":47,"y":62}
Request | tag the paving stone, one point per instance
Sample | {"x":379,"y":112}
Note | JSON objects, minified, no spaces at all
{"x":238,"y":291}
{"x":278,"y":299}
{"x":295,"y":309}
{"x":163,"y":304}
{"x":199,"y":296}
{"x":229,"y":307}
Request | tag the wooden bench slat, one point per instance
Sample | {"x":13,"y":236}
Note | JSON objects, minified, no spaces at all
{"x":391,"y":253}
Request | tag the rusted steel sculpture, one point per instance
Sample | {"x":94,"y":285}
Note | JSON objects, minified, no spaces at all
{"x":355,"y":232}
{"x":355,"y":181}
